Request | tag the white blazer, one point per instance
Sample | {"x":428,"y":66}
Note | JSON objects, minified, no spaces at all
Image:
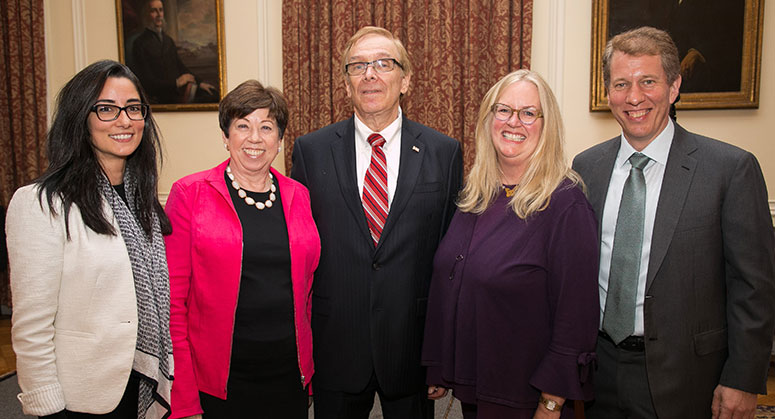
{"x":74,"y":323}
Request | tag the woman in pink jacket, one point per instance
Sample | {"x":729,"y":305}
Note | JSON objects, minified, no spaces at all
{"x":241,"y":256}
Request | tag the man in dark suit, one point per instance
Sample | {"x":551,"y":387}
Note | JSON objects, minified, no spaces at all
{"x":157,"y":64}
{"x":383,"y":191}
{"x":693,"y":338}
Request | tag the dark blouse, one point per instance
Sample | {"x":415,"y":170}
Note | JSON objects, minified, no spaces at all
{"x":265,"y":304}
{"x":121,"y":191}
{"x":513,"y":306}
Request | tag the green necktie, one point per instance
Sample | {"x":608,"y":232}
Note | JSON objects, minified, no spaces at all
{"x":619,"y":316}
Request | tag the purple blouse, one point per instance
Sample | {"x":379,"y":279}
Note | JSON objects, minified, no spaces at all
{"x":513,"y":305}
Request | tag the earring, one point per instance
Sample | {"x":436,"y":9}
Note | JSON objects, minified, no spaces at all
{"x":226,"y":146}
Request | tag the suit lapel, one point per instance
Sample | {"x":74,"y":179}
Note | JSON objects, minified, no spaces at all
{"x":600,"y":174}
{"x":412,"y":151}
{"x":343,"y":153}
{"x":679,"y":173}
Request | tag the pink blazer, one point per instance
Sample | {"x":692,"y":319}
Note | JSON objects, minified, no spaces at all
{"x":204,"y":254}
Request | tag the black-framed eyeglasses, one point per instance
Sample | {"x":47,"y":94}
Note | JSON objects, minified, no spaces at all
{"x":381,"y":65}
{"x":106,"y":113}
{"x":527,"y":115}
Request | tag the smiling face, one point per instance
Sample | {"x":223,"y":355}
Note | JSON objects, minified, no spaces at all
{"x":253,"y":142}
{"x":514,"y":141}
{"x":376,"y":95}
{"x":114,"y":141}
{"x":640,"y":96}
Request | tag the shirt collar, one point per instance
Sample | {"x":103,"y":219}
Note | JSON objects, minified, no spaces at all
{"x":389,"y":133}
{"x":157,"y":32}
{"x":657,"y":150}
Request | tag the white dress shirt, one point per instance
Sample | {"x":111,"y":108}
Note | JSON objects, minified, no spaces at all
{"x":392,"y":149}
{"x":654,"y":172}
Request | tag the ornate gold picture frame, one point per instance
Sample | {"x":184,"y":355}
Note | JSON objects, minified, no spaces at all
{"x":721,"y":62}
{"x":176,"y":49}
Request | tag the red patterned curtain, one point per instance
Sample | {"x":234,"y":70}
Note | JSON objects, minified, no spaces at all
{"x":458,"y":50}
{"x":22,"y":103}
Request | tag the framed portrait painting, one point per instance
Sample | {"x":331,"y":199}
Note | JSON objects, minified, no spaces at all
{"x":175,"y":47}
{"x":719,"y":45}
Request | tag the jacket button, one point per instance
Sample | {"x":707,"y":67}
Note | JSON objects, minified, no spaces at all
{"x":375,"y":266}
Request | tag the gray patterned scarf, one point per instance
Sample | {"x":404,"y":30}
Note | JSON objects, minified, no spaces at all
{"x":153,"y":352}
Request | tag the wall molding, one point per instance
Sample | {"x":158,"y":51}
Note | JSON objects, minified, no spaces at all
{"x":555,"y":31}
{"x":79,"y":34}
{"x":262,"y":23}
{"x":48,"y":34}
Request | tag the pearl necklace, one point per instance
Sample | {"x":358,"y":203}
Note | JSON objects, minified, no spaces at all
{"x":248,"y":200}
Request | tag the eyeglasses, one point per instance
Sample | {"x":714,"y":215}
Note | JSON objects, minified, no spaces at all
{"x":526,"y":115}
{"x":382,"y":65}
{"x":106,"y":113}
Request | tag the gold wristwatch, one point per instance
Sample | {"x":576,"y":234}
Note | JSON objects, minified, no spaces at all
{"x":550,"y":405}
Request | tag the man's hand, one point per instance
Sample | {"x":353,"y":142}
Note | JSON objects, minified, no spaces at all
{"x":209,"y":88}
{"x":731,"y":403}
{"x":436,"y":392}
{"x":690,"y":62}
{"x":184,"y":79}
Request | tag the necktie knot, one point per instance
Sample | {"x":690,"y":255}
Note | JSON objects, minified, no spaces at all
{"x":639,"y":160}
{"x":376,"y":140}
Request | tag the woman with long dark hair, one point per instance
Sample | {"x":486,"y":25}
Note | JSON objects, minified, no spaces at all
{"x":88,"y":270}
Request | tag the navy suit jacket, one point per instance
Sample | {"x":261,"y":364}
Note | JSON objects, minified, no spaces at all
{"x":709,"y":312}
{"x":368,"y":303}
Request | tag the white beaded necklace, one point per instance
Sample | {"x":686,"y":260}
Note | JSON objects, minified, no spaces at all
{"x":250,"y":201}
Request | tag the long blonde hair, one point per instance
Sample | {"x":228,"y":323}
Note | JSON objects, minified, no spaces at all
{"x":547,"y":166}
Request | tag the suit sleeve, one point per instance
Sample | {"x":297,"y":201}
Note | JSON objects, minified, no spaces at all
{"x":298,"y":170}
{"x":36,"y":241}
{"x":572,"y":258}
{"x":185,"y":392}
{"x":750,"y":271}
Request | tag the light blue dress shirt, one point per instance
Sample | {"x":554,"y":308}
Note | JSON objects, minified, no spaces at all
{"x":654,"y":172}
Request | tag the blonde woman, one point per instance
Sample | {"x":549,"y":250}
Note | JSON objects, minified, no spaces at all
{"x":512,"y":313}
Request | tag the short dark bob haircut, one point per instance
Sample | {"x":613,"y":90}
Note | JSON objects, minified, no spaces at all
{"x":246,"y":98}
{"x":74,"y":171}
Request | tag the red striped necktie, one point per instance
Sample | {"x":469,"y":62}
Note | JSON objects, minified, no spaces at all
{"x":375,"y":199}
